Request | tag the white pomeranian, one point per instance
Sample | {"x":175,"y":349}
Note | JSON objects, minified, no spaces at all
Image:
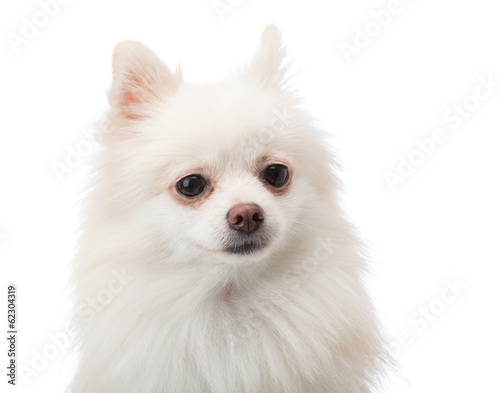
{"x":214,"y":256}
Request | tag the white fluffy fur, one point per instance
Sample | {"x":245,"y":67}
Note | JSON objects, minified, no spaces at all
{"x":193,"y":318}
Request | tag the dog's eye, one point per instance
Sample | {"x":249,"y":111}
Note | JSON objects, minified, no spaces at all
{"x":191,"y":186}
{"x":276,"y":175}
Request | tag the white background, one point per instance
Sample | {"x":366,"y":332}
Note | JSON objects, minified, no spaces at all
{"x":440,"y":224}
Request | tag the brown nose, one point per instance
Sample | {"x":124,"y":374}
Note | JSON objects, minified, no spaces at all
{"x":245,"y":217}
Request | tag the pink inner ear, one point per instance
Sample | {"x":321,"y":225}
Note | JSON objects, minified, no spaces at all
{"x":140,"y":79}
{"x":129,"y":98}
{"x":132,"y":96}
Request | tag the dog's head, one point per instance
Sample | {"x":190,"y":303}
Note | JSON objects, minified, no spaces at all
{"x":231,"y":171}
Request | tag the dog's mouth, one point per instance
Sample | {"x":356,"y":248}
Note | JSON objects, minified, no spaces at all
{"x":245,"y":248}
{"x":246,"y":244}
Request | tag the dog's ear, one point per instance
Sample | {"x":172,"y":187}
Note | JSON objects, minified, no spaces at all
{"x":266,"y":67}
{"x":139,"y":78}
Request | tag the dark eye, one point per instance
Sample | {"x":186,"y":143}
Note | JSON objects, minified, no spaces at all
{"x":276,"y":175}
{"x":191,"y":186}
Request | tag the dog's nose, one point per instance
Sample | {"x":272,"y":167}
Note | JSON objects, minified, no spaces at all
{"x":245,"y":217}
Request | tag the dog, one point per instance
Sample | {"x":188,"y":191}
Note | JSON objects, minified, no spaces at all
{"x":214,"y":256}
